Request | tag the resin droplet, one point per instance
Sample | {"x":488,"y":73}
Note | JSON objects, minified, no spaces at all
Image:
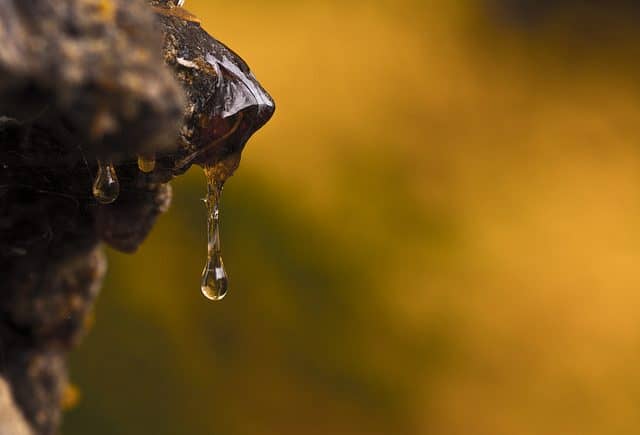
{"x":147,"y":162}
{"x":106,"y":187}
{"x":180,"y":3}
{"x":215,"y":283}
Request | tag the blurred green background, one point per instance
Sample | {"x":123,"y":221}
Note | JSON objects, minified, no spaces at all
{"x":437,"y":233}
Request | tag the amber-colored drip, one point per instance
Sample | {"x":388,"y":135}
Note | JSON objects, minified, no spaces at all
{"x":191,"y":157}
{"x":147,"y":162}
{"x":215,"y":282}
{"x":181,"y":13}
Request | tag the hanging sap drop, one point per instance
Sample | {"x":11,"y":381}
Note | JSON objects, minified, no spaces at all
{"x":215,"y":282}
{"x":106,"y":187}
{"x":147,"y":162}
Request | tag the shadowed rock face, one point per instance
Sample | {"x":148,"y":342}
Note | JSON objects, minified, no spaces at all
{"x":81,"y":80}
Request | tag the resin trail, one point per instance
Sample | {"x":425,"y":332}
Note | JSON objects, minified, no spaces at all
{"x":215,"y":283}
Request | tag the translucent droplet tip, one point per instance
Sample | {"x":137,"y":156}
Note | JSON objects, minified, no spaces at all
{"x":106,"y":187}
{"x":207,"y":293}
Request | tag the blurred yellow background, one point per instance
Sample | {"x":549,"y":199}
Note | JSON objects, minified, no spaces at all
{"x":437,"y":233}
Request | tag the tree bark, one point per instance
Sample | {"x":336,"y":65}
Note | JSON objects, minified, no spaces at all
{"x":82,"y":81}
